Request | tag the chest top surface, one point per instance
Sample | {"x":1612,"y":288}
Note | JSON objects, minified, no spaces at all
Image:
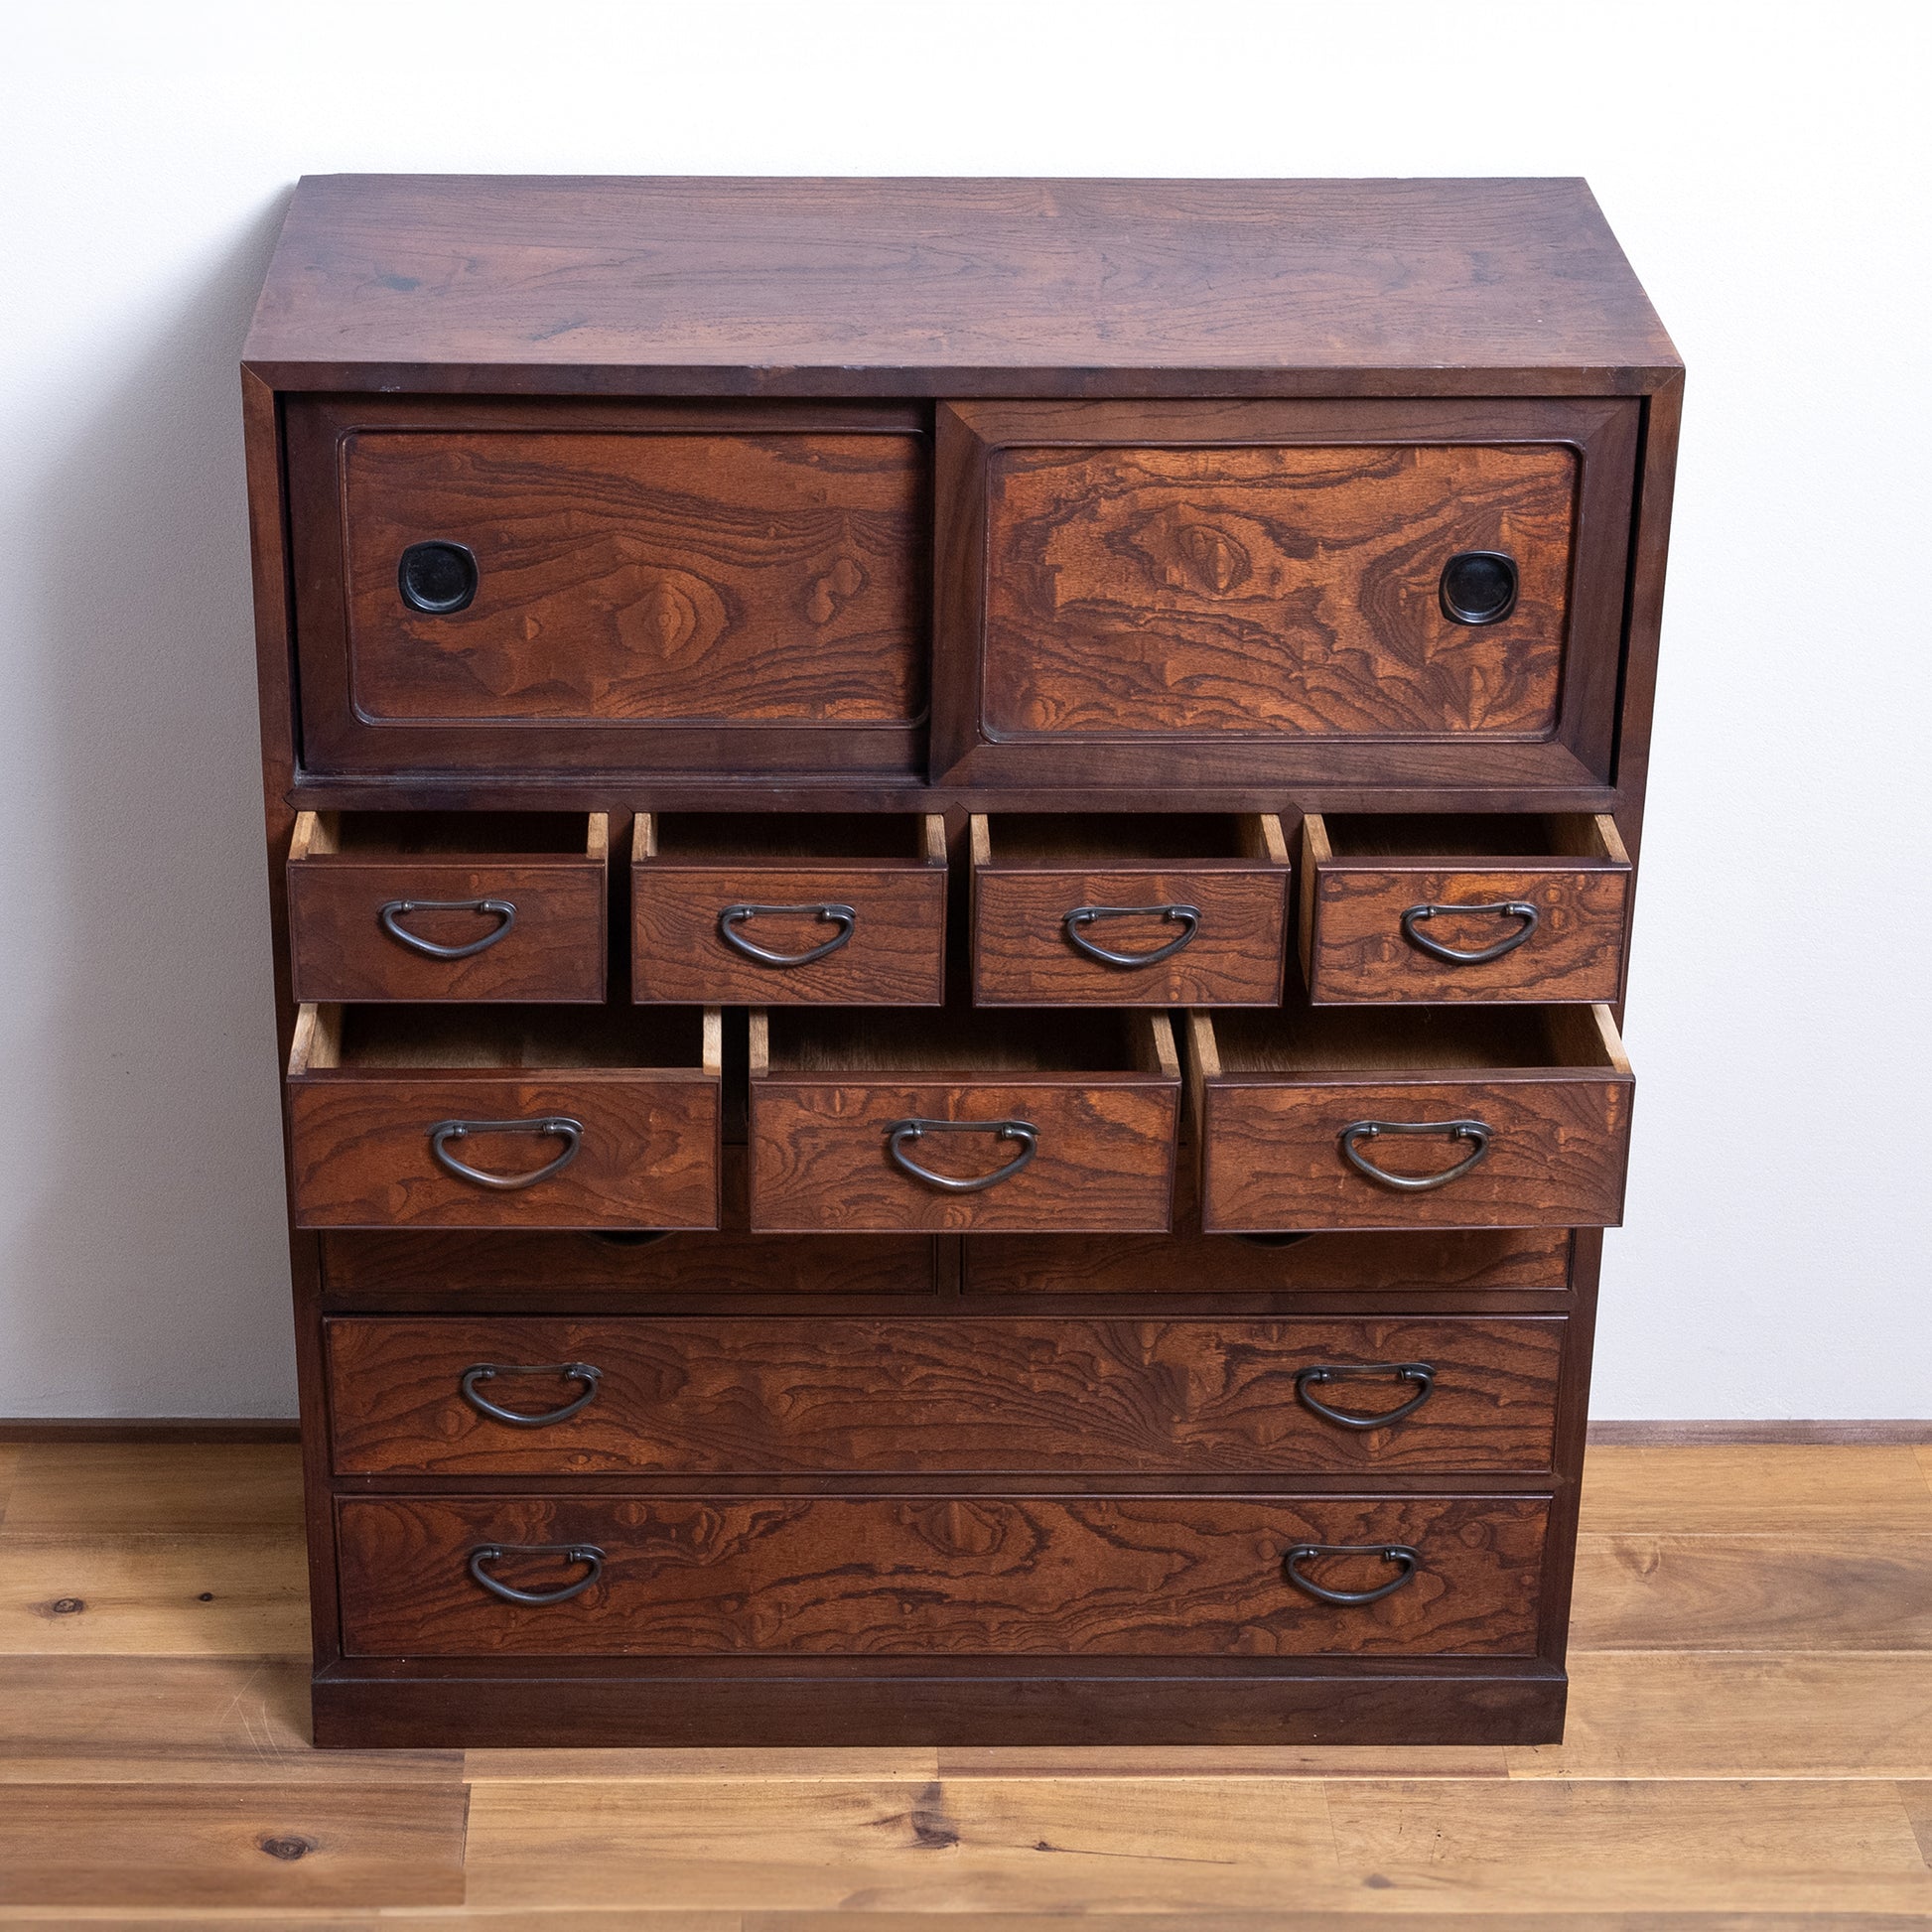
{"x":951,"y":287}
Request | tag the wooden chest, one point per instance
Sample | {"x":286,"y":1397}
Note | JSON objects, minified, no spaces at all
{"x":951,"y":867}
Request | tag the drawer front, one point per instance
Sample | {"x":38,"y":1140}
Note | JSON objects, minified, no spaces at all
{"x":886,"y":926}
{"x":635,"y":575}
{"x":551,"y":946}
{"x":1103,"y":1155}
{"x":363,"y":1150}
{"x":1033,"y":947}
{"x":1274,"y":1152}
{"x":989,"y":1395}
{"x":953,"y":1576}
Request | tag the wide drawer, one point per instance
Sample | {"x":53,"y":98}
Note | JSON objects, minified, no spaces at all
{"x":1442,"y":910}
{"x":978,"y":1395}
{"x":1352,"y":591}
{"x":564,"y":583}
{"x":957,"y":1575}
{"x":447,"y":905}
{"x":1128,"y":909}
{"x":945,"y":1122}
{"x":446,"y":1117}
{"x":798,"y":908}
{"x":1392,"y":1118}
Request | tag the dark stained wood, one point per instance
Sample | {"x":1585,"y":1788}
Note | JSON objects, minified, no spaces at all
{"x":553,"y":949}
{"x":1357,"y":882}
{"x":1029,"y":875}
{"x":644,"y":575}
{"x":936,"y":287}
{"x":979,"y":1576}
{"x":647,"y":1157}
{"x":1255,"y":585}
{"x":823,"y":1104}
{"x":1272,"y":1116}
{"x":896,"y":954}
{"x":988,"y":1395}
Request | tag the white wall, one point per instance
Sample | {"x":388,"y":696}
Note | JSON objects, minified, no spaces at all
{"x":1766,"y":168}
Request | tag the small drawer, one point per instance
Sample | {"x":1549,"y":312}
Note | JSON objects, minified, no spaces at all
{"x":799,"y":910}
{"x":1457,"y":1118}
{"x":779,"y":1575}
{"x":947,"y":1121}
{"x":447,"y":905}
{"x":1128,"y":911}
{"x":985,"y":1395}
{"x":1462,"y":911}
{"x":535,"y":1117}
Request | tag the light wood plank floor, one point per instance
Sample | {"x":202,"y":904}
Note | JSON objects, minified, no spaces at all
{"x":1749,"y":1748}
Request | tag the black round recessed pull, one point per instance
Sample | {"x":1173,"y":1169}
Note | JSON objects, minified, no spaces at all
{"x":1479,"y":587}
{"x":437,"y":578}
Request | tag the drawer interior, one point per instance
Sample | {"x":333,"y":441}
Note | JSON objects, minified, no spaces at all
{"x":1128,"y":837}
{"x":1463,"y":835}
{"x":1300,"y":1040}
{"x":384,"y":1039}
{"x":416,"y":835}
{"x":799,"y":838}
{"x":847,"y":1043}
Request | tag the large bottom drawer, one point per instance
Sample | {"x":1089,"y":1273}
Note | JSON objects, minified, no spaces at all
{"x":957,"y":1575}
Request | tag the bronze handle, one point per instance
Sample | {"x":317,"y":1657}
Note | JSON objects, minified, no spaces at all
{"x":1514,"y":909}
{"x":902,"y":1132}
{"x":1396,"y":1553}
{"x":502,"y":909}
{"x":1419,"y":1373}
{"x":845,"y":918}
{"x":570,"y":1132}
{"x":488,"y":1371}
{"x":587,"y":1553}
{"x":1186,"y":917}
{"x":1455,"y":1130}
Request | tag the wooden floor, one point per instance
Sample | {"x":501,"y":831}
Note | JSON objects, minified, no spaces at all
{"x":1750,"y":1745}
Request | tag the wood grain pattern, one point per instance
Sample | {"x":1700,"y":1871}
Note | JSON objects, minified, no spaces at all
{"x":960,"y":1576}
{"x":1264,"y":591}
{"x":990,"y":1394}
{"x":1745,"y":1489}
{"x":919,"y":287}
{"x":1356,"y":950}
{"x":649,"y":1157}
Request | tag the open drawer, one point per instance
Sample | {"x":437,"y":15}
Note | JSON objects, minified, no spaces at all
{"x":528,"y":1118}
{"x":944,"y":1121}
{"x":1128,"y":909}
{"x":447,"y":905}
{"x":1463,"y":910}
{"x":792,"y":909}
{"x":1461,"y":1117}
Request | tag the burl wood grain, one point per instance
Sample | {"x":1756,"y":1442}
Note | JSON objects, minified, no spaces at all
{"x":1557,"y":1157}
{"x":361,"y":1151}
{"x":1271,"y":590}
{"x":749,"y":579}
{"x":992,"y":1395}
{"x":894,"y":957}
{"x":1105,"y":1159}
{"x":984,"y":1575}
{"x":553,"y":952}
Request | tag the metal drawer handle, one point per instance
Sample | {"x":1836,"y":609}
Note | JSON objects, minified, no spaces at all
{"x":501,"y":909}
{"x":1455,"y":1130}
{"x":570,"y":1132}
{"x":843,"y":917}
{"x":1187,"y":916}
{"x":902,"y":1132}
{"x":1420,"y":1373}
{"x":1512,"y":909}
{"x":570,"y":1371}
{"x":587,"y":1553}
{"x":1397,"y":1552}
